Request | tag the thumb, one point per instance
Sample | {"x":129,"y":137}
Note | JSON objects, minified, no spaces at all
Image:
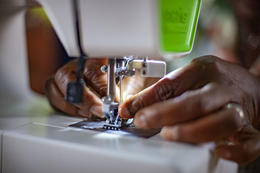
{"x":135,"y":84}
{"x":160,"y":91}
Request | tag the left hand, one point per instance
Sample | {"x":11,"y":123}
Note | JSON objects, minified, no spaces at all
{"x":189,"y":105}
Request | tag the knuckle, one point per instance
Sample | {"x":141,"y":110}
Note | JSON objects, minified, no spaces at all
{"x":64,"y":71}
{"x":206,"y":58}
{"x":202,"y":97}
{"x":195,"y":103}
{"x":179,"y":133}
{"x":175,"y":133}
{"x":186,"y":133}
{"x":92,"y":69}
{"x":90,"y":75}
{"x":137,"y":104}
{"x":208,"y":62}
{"x":163,"y":91}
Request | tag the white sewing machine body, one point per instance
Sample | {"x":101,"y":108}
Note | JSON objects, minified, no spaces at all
{"x":32,"y":140}
{"x":118,"y":28}
{"x":35,"y":141}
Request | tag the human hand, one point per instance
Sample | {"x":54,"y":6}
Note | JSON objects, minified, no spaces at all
{"x":95,"y":89}
{"x":96,"y":85}
{"x":189,"y":105}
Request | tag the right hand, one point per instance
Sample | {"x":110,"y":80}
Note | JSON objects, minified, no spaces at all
{"x":207,"y":100}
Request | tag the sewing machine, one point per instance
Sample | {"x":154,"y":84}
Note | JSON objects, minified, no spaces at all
{"x":33,"y":140}
{"x":164,"y":28}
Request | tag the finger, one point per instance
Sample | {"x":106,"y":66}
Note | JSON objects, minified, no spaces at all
{"x":188,"y":106}
{"x":173,"y":84}
{"x":95,"y":78}
{"x":242,"y":154}
{"x":91,"y":104}
{"x":56,"y":99}
{"x":134,"y":84}
{"x":245,"y":150}
{"x":235,"y":153}
{"x":65,"y":75}
{"x":214,"y":127}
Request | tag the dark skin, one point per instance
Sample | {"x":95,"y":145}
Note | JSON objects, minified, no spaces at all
{"x":189,"y":104}
{"x":94,"y":90}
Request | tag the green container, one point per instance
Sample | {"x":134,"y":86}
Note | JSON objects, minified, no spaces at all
{"x":177,"y":25}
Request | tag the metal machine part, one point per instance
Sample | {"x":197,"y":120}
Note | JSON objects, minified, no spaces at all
{"x":118,"y":68}
{"x":129,"y":130}
{"x":110,"y":107}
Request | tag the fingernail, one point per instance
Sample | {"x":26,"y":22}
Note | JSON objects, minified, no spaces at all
{"x":97,"y":110}
{"x":140,"y":121}
{"x":170,"y":133}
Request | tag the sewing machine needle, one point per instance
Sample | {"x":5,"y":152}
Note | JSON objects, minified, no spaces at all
{"x":120,"y":89}
{"x":120,"y":95}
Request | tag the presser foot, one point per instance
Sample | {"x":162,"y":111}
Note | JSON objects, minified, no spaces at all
{"x":114,"y":123}
{"x":110,"y":110}
{"x":112,"y":127}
